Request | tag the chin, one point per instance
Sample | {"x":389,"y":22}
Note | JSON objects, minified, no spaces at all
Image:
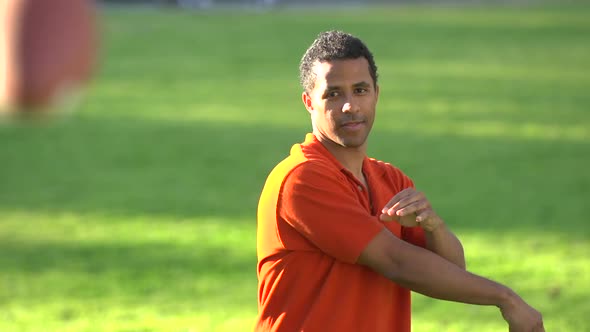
{"x":352,"y":143}
{"x":353,"y":146}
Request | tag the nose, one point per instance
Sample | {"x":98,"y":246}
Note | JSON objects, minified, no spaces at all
{"x":350,"y":107}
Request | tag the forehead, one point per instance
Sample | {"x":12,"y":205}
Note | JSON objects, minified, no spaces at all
{"x":341,"y":72}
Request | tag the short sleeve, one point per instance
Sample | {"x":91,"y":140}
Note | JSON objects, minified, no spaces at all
{"x":319,"y":202}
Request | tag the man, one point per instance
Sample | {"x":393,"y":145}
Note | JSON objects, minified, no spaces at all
{"x":343,"y":238}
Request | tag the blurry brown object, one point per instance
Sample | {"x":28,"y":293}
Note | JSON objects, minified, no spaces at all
{"x":47,"y":51}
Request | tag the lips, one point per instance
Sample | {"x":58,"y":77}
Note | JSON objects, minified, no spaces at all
{"x":352,"y":124}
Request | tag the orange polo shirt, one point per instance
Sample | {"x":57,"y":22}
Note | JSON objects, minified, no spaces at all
{"x":314,"y":220}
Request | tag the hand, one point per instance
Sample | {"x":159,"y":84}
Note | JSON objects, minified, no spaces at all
{"x":411,"y":208}
{"x":521,"y":317}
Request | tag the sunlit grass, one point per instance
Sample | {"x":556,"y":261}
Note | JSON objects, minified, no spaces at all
{"x":95,"y":272}
{"x":75,"y":270}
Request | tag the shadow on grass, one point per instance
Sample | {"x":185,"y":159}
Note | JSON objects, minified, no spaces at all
{"x":87,"y":270}
{"x":123,"y":285}
{"x":137,"y":167}
{"x":183,"y":170}
{"x":494,"y":183}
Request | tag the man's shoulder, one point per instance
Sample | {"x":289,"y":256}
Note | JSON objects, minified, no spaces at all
{"x":384,"y":167}
{"x":295,"y":171}
{"x":389,"y":173}
{"x":304,"y":165}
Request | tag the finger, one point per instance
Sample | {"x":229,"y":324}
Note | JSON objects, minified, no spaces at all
{"x":429,"y":220}
{"x":397,"y":197}
{"x":414,"y":207}
{"x":400,"y":202}
{"x":387,"y":218}
{"x":408,"y":221}
{"x":406,"y":203}
{"x":424,"y":215}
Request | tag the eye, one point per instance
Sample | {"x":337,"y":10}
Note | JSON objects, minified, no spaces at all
{"x":332,"y":94}
{"x":360,"y":91}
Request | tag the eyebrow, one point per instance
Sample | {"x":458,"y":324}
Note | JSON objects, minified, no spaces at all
{"x":361,"y":84}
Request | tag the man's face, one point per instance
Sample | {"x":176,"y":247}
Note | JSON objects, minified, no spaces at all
{"x":342,"y":102}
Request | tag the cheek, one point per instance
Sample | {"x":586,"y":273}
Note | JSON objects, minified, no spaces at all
{"x":371,"y":107}
{"x":331,"y":118}
{"x":324,"y":119}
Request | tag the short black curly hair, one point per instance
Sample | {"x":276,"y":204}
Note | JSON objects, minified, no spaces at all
{"x":333,"y":45}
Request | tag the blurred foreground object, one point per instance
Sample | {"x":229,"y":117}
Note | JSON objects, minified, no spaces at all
{"x":47,"y":53}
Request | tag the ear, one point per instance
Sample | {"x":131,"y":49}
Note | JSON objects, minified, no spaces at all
{"x":305,"y":97}
{"x":377,"y":91}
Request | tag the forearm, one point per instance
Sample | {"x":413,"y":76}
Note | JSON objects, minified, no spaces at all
{"x":445,"y":244}
{"x":428,"y":274}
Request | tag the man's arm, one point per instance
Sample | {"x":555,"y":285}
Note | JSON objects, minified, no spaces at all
{"x":411,"y":208}
{"x":443,"y":275}
{"x":426,"y":273}
{"x":445,"y":244}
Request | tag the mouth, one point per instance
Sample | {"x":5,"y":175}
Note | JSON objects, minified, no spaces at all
{"x":353,"y":125}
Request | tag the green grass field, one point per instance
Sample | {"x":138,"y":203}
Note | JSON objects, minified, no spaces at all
{"x":137,"y":212}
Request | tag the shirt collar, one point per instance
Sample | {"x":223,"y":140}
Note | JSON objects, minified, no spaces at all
{"x":311,"y":142}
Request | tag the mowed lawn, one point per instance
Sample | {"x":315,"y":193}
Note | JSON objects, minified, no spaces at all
{"x":138,"y":211}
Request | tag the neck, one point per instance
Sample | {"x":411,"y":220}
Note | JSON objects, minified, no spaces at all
{"x":350,"y":157}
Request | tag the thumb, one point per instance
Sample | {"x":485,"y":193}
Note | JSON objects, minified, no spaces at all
{"x":387,"y":218}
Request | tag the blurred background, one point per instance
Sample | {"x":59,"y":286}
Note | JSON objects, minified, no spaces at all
{"x":137,"y":211}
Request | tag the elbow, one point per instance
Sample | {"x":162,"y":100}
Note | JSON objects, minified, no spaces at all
{"x":455,"y":255}
{"x":462,"y":264}
{"x":461,"y":261}
{"x":458,"y":259}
